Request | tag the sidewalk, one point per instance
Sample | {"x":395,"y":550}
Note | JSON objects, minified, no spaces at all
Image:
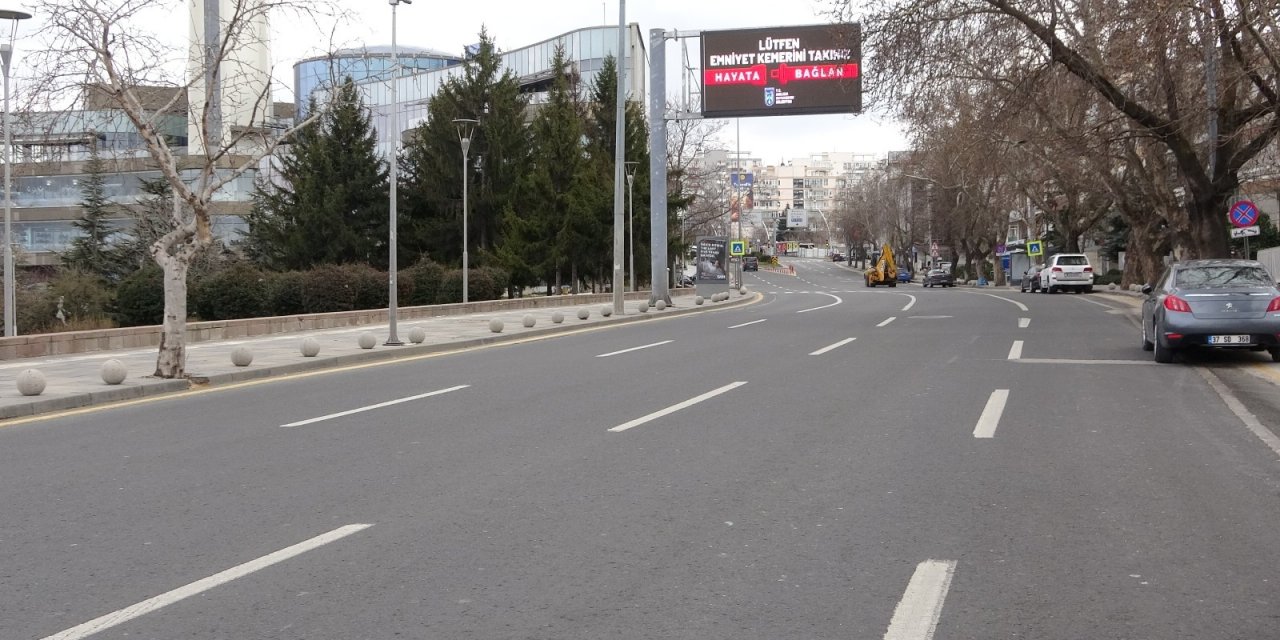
{"x":76,"y":380}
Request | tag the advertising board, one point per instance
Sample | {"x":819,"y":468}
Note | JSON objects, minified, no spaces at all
{"x":776,"y":71}
{"x":712,"y":260}
{"x":797,"y":218}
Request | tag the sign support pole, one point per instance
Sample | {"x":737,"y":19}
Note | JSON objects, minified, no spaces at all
{"x":658,"y":277}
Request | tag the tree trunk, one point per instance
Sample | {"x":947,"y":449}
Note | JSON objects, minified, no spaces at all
{"x":171,"y":362}
{"x":1208,"y":227}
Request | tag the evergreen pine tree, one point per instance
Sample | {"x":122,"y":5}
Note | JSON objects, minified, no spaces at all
{"x":89,"y":252}
{"x":330,"y":202}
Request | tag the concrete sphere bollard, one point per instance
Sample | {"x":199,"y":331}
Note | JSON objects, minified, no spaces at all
{"x":495,"y":325}
{"x":583,"y":314}
{"x":310,"y":347}
{"x":417,"y":335}
{"x":30,"y":382}
{"x":661,"y":304}
{"x":367,"y":340}
{"x":698,"y":300}
{"x":742,"y":291}
{"x":643,"y":307}
{"x":557,"y":317}
{"x":528,"y":321}
{"x":241,"y":356}
{"x":113,"y":371}
{"x":606,"y":310}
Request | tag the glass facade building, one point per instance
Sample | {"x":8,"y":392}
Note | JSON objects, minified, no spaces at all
{"x":362,"y":65}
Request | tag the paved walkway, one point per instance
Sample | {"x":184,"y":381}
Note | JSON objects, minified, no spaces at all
{"x":76,"y":380}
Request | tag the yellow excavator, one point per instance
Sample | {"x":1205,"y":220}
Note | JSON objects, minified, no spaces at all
{"x":885,"y":270}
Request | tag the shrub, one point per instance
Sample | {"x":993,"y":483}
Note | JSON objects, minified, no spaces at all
{"x":372,"y":290}
{"x":284,"y":293}
{"x":86,"y":298}
{"x":237,"y":291}
{"x":450,"y":288}
{"x":426,"y":277}
{"x":140,"y":298}
{"x":329,"y":288}
{"x":35,"y":309}
{"x":497,"y":281}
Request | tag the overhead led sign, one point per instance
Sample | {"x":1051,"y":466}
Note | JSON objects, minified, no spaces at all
{"x":779,"y":71}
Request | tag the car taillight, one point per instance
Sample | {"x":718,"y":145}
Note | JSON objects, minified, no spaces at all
{"x":1088,"y":269}
{"x":1174,"y":303}
{"x":1057,"y":269}
{"x":1274,"y":306}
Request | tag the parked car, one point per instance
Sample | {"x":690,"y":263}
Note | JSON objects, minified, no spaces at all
{"x":750,"y":263}
{"x":939,"y":278}
{"x":1031,"y":279}
{"x":1067,"y":271}
{"x":837,"y":257}
{"x":904,"y":274}
{"x":1222,"y":304}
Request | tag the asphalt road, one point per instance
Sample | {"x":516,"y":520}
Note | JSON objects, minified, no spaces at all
{"x":831,"y":462}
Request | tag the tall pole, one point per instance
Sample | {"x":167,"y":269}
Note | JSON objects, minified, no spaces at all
{"x":620,"y":144}
{"x":466,"y":152}
{"x":631,"y":224}
{"x":658,"y":166}
{"x":393,"y":266}
{"x":10,"y":322}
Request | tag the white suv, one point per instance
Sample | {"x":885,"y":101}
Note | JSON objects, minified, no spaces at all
{"x":1066,"y":271}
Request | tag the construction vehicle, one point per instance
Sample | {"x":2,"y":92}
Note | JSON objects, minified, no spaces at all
{"x":885,"y":270}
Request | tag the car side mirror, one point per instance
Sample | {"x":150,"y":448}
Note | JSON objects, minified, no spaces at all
{"x":1147,"y":289}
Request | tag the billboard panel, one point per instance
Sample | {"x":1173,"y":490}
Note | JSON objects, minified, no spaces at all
{"x":778,"y":71}
{"x":798,"y":218}
{"x":713,"y":260}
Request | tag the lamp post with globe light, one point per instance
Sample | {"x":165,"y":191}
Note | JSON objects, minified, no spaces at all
{"x":466,"y":127}
{"x":393,"y":268}
{"x":6,"y":54}
{"x":631,"y":220}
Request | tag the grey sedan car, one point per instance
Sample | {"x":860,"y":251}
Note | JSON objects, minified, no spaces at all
{"x":938,"y":278}
{"x":1224,"y":304}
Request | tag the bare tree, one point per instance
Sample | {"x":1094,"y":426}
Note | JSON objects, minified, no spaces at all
{"x":226,"y":86}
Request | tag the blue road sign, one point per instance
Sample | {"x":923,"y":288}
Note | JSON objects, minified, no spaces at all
{"x":1243,"y":214}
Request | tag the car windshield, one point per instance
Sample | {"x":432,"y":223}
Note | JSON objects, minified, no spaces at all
{"x":1073,"y":260}
{"x":1222,"y":276}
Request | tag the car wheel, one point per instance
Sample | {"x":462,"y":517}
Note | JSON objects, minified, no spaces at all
{"x":1163,"y":354}
{"x":1146,"y":344}
{"x":1088,"y":289}
{"x":1275,"y":353}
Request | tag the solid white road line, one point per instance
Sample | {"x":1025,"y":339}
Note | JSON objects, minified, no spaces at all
{"x":1023,"y":323}
{"x":375,"y":406}
{"x":991,"y":414}
{"x":747,"y":324}
{"x":676,"y":407}
{"x":1020,"y":306}
{"x":1250,"y":421}
{"x":916,"y":616}
{"x":1084,"y":299}
{"x":1015,"y":351}
{"x":614,"y":353}
{"x":834,"y":346}
{"x":909,"y":304}
{"x":825,"y":306}
{"x":1145,"y":363}
{"x":891,"y":319}
{"x":200,"y":586}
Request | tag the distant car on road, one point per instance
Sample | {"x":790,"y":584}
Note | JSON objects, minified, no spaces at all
{"x":1031,"y":279}
{"x":939,"y":278}
{"x":904,"y":274}
{"x":1067,"y":271}
{"x":1219,"y":304}
{"x":837,"y":257}
{"x":750,"y":263}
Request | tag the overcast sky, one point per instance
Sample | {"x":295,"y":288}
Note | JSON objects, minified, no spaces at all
{"x":449,"y":25}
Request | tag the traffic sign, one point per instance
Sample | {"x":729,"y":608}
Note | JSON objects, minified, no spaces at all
{"x":1035,"y":248}
{"x":1245,"y":232}
{"x":1243,"y":214}
{"x":933,"y":250}
{"x":737,"y":247}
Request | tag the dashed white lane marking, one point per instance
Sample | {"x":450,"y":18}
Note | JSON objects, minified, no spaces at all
{"x":646,"y":346}
{"x":891,"y":319}
{"x":1023,"y":323}
{"x":990,"y":418}
{"x":676,"y":407}
{"x":200,"y":586}
{"x":916,"y":616}
{"x":747,"y":324}
{"x":1020,"y":306}
{"x":825,"y":306}
{"x":1015,"y":352}
{"x":375,"y":406}
{"x":833,"y":346}
{"x":1250,"y":421}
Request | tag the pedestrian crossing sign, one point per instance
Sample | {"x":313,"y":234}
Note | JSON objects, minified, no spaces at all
{"x":737,"y":247}
{"x":1034,"y":248}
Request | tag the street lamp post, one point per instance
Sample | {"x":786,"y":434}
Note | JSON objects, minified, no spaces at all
{"x":6,"y":54}
{"x":631,"y":223}
{"x":466,"y":127}
{"x":393,"y":266}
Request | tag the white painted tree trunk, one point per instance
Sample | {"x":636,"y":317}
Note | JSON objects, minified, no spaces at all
{"x":171,"y":362}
